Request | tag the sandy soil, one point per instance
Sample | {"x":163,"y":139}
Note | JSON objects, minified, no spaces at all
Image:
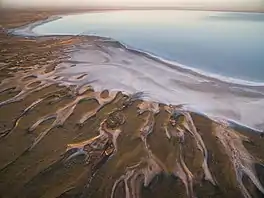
{"x":125,"y":148}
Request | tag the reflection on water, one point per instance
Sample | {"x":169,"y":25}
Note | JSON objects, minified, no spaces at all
{"x":231,"y":46}
{"x":254,"y":17}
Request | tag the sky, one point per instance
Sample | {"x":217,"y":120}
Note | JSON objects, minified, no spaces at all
{"x":69,"y":3}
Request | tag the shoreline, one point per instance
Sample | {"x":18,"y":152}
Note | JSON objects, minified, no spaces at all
{"x":77,"y":142}
{"x":27,"y":31}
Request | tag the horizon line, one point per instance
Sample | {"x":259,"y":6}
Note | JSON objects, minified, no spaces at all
{"x":90,"y":8}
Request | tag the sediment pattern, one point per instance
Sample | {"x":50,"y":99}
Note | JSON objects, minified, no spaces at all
{"x":62,"y":138}
{"x":134,"y":168}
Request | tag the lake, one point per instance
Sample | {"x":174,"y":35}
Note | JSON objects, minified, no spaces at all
{"x":125,"y":114}
{"x":222,"y":43}
{"x":209,"y":62}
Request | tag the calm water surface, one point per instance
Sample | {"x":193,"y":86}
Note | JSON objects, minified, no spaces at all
{"x":228,"y":44}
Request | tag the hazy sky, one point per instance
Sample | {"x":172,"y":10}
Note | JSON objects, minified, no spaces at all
{"x":224,"y":3}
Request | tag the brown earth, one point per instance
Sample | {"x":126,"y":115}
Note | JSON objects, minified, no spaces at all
{"x":50,"y":168}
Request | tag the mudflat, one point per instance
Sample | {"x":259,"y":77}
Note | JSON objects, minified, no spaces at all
{"x":60,"y":140}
